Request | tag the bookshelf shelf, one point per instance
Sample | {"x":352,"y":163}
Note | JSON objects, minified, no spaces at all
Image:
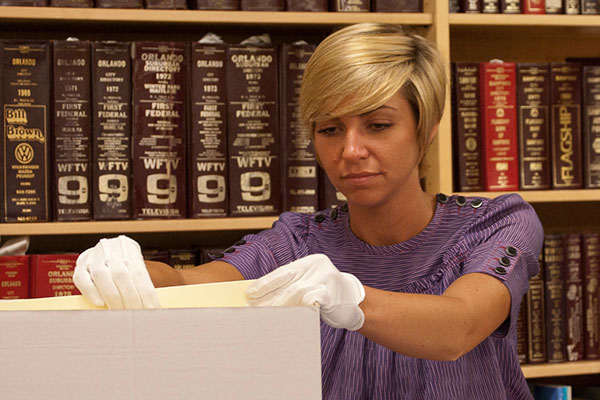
{"x":547,"y":196}
{"x":62,"y":15}
{"x":553,"y":21}
{"x":145,"y":226}
{"x":561,"y":369}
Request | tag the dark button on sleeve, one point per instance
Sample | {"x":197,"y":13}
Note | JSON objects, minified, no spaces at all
{"x":504,"y":261}
{"x":476,"y":203}
{"x":500,"y":270}
{"x":240,"y":242}
{"x":230,"y":250}
{"x":334,"y":213}
{"x":442,"y":198}
{"x":511,"y":251}
{"x":320,"y":218}
{"x":460,"y":201}
{"x":218,"y":255}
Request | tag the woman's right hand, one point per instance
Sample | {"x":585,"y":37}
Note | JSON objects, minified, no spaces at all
{"x":113,"y":273}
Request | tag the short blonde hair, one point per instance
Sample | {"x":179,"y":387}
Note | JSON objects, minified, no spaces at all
{"x":360,"y":67}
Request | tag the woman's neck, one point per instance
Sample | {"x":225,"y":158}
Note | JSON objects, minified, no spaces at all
{"x":392,"y":223}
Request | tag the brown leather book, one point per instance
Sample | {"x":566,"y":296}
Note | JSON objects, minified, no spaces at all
{"x":262,"y":5}
{"x":565,"y":97}
{"x":253,"y":130}
{"x":522,"y":333}
{"x":14,"y":277}
{"x":25,"y":193}
{"x":208,"y":132}
{"x":159,"y":129}
{"x":299,"y":172}
{"x":574,"y":297}
{"x":182,"y":258}
{"x":533,"y":102}
{"x":398,"y":6}
{"x":591,"y":126}
{"x":591,"y":294}
{"x":72,"y":130}
{"x":217,"y":4}
{"x":490,"y":6}
{"x":350,"y":5}
{"x":499,"y":126}
{"x":468,"y":170}
{"x":306,"y":5}
{"x":24,"y":3}
{"x":111,"y":130}
{"x":510,"y":6}
{"x":72,"y":3}
{"x":119,"y":3}
{"x":556,"y":323}
{"x":52,"y":275}
{"x":166,"y":4}
{"x":470,"y":6}
{"x":536,"y":318}
{"x":554,"y":7}
{"x":572,"y":7}
{"x":590,"y":7}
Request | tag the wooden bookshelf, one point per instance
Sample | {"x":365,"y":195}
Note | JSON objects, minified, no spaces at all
{"x":561,"y":369}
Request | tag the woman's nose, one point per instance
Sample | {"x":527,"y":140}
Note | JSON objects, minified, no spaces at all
{"x":354,"y":144}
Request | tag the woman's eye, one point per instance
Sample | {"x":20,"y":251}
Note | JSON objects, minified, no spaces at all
{"x":378,"y":127}
{"x":330,"y":130}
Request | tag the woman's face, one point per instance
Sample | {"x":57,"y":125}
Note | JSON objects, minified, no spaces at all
{"x":371,"y":158}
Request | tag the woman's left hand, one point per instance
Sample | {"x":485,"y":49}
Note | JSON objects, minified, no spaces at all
{"x":313,"y":280}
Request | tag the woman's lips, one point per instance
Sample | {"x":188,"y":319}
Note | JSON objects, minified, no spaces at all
{"x":359,"y":178}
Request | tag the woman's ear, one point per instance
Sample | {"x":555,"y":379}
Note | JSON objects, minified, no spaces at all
{"x":433,"y":132}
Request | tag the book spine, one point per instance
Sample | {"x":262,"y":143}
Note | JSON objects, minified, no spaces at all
{"x":574,"y":297}
{"x":25,"y":145}
{"x":554,"y":7}
{"x":262,"y":5}
{"x":166,"y":4}
{"x":536,"y":318}
{"x":591,"y":126}
{"x":208,"y":142}
{"x":217,"y":4}
{"x":591,"y":295}
{"x":52,"y":275}
{"x":306,"y":5}
{"x":14,"y":277}
{"x":467,"y":132}
{"x":72,"y":3}
{"x":566,"y":125}
{"x":300,"y":181}
{"x":24,"y":3}
{"x":119,"y":3}
{"x":522,"y":333}
{"x":470,"y":6}
{"x":555,"y":298}
{"x":572,"y":7}
{"x":253,"y":143}
{"x":490,"y":6}
{"x":111,"y":153}
{"x":350,"y":5}
{"x":534,"y":7}
{"x":510,"y":6}
{"x":533,"y":101}
{"x":159,"y":129}
{"x":72,"y":131}
{"x":590,"y":7}
{"x":499,"y":123}
{"x":399,"y":6}
{"x":182,"y":259}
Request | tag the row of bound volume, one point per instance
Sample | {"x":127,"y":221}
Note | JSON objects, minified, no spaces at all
{"x":394,"y":6}
{"x":526,"y":126}
{"x":569,"y":7}
{"x":119,"y":130}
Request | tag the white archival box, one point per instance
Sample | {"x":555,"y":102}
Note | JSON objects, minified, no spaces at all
{"x":214,"y":353}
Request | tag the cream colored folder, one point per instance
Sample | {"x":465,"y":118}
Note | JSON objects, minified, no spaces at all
{"x":222,"y":294}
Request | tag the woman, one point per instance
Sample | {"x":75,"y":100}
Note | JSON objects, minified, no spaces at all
{"x":419,"y":294}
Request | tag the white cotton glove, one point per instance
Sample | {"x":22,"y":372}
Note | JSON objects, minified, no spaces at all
{"x":313,"y":280}
{"x":114,"y":273}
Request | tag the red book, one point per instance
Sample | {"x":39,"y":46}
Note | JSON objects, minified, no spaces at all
{"x":14,"y":277}
{"x":52,"y":275}
{"x":534,"y":7}
{"x":499,"y":123}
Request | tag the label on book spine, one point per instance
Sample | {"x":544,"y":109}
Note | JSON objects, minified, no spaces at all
{"x":253,"y":143}
{"x":208,"y":147}
{"x":25,"y":145}
{"x":159,"y":129}
{"x":490,"y":6}
{"x":24,"y":3}
{"x":591,"y":295}
{"x":52,"y":275}
{"x":510,"y":6}
{"x":565,"y":97}
{"x":217,"y":4}
{"x":499,"y":122}
{"x":574,"y":297}
{"x":554,"y":7}
{"x":300,"y":181}
{"x":536,"y":318}
{"x":556,"y":333}
{"x":351,"y":5}
{"x":467,"y":127}
{"x":72,"y":131}
{"x":591,"y":126}
{"x":14,"y":277}
{"x":111,"y":83}
{"x":534,"y":6}
{"x":262,"y":5}
{"x":306,"y":5}
{"x":470,"y":6}
{"x":590,"y":7}
{"x":533,"y":94}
